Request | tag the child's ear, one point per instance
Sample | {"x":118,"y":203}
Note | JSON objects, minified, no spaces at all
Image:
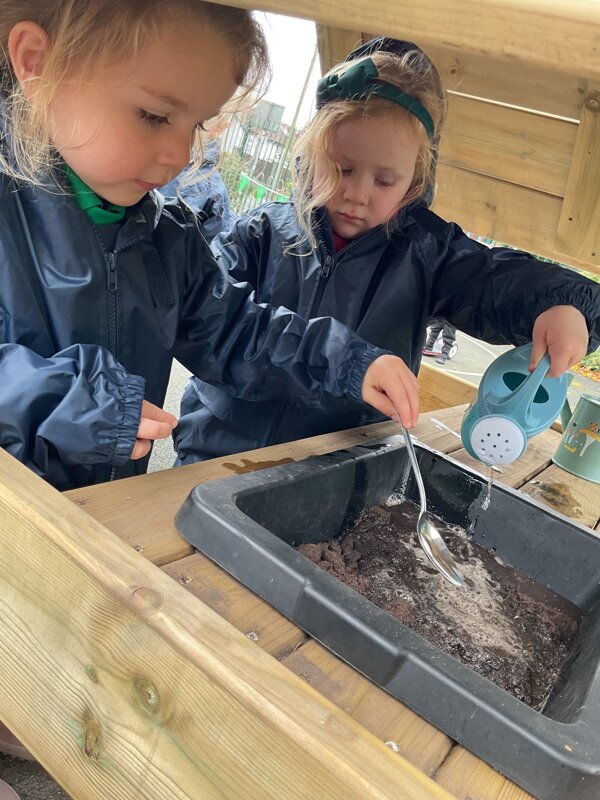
{"x":28,"y":46}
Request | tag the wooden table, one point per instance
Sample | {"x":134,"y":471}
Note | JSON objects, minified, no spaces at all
{"x":145,"y":692}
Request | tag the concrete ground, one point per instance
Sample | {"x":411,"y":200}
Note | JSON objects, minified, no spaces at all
{"x":28,"y":779}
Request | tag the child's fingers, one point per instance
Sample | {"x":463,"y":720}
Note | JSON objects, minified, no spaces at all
{"x":400,"y":407}
{"x":151,"y":429}
{"x":391,"y":387}
{"x":150,"y":411}
{"x":538,"y":348}
{"x":155,"y":423}
{"x":561,"y":358}
{"x":140,"y":449}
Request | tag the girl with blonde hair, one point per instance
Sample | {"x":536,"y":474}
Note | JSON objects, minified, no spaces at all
{"x":102,"y":284}
{"x":359,"y":243}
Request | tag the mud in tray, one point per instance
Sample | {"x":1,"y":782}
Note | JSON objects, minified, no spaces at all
{"x":250,"y":525}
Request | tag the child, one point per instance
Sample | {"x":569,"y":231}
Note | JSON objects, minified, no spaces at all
{"x":102,"y":284}
{"x":359,"y":244}
{"x":437,"y":326}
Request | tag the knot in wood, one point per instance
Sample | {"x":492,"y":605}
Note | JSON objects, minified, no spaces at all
{"x":145,"y":600}
{"x":148,"y":696}
{"x":592,"y":102}
{"x":92,"y":740}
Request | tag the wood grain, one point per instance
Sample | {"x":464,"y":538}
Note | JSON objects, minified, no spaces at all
{"x":124,"y":685}
{"x":548,"y":33}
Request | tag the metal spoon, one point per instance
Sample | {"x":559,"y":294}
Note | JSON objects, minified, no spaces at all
{"x":429,"y":536}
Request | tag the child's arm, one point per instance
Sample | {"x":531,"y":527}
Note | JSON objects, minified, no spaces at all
{"x":498,"y":294}
{"x":79,"y":406}
{"x":241,"y":250}
{"x":256,"y":352}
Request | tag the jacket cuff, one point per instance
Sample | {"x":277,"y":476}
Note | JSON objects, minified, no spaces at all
{"x":131,"y":394}
{"x":361,"y":361}
{"x":583,"y":302}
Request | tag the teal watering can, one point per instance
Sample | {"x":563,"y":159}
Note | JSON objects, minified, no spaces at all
{"x":511,"y":406}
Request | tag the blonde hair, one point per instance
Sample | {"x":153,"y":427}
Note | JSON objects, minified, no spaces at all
{"x":87,"y":34}
{"x":413,"y":73}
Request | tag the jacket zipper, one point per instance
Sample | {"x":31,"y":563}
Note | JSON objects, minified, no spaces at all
{"x":327,"y":265}
{"x":112,"y":285}
{"x":324,"y":272}
{"x":329,"y":262}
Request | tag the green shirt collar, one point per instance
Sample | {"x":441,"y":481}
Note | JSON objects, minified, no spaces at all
{"x":98,"y":210}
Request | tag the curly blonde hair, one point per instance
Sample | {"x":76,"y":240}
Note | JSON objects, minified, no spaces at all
{"x":413,"y":73}
{"x":88,"y":34}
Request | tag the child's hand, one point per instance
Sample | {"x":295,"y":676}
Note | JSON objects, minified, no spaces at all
{"x":562,"y":332}
{"x":156,"y":423}
{"x":389,"y":385}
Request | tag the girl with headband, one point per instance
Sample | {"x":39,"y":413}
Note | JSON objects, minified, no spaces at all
{"x":359,"y":243}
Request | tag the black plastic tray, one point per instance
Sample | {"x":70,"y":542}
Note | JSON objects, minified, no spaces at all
{"x":249,"y":523}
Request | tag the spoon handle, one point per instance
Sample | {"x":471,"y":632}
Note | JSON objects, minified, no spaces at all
{"x":416,"y":469}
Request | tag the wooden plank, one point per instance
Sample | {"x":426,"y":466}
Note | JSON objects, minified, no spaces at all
{"x":469,"y":778}
{"x":508,"y":213}
{"x":381,"y":714}
{"x":506,"y":143}
{"x":553,"y":34}
{"x":502,"y":211}
{"x":125,"y":686}
{"x":579,"y":226}
{"x":334,"y":44}
{"x":257,"y":620}
{"x":572,"y":496}
{"x":506,"y":81}
{"x":439,"y":389}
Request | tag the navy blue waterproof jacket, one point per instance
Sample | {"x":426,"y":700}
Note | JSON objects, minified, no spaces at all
{"x":386,"y":289}
{"x":207,"y":195}
{"x":87,"y":332}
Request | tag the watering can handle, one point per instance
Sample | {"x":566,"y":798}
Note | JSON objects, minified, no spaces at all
{"x":520,"y":399}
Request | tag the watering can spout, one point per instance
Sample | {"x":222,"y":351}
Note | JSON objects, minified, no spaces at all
{"x":511,"y":406}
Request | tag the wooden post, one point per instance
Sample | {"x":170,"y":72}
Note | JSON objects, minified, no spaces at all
{"x":579,"y":225}
{"x":334,"y":44}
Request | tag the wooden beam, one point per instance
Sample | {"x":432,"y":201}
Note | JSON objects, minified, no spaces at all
{"x":579,"y":226}
{"x":550,"y":33}
{"x":126,"y":686}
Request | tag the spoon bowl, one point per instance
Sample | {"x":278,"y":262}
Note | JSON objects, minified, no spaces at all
{"x":429,"y":537}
